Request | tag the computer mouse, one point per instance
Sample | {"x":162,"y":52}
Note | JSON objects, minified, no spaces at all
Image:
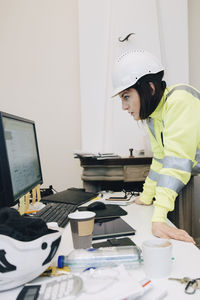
{"x":97,"y":205}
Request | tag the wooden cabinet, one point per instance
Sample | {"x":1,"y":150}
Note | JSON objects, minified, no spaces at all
{"x":119,"y":170}
{"x":135,"y":173}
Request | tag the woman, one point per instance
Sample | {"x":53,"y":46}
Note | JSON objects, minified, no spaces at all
{"x":173,"y":119}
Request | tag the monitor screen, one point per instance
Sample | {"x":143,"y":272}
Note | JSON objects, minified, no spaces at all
{"x":20,"y":169}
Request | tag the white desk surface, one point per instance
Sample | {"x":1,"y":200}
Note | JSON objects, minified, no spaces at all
{"x":186,"y":257}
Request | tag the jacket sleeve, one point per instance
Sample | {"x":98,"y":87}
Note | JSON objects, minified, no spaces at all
{"x":181,"y":136}
{"x":149,"y":187}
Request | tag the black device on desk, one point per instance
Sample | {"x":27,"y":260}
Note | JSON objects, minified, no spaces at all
{"x":103,"y":210}
{"x":124,"y":241}
{"x":113,"y":227}
{"x":75,"y":196}
{"x":95,"y":206}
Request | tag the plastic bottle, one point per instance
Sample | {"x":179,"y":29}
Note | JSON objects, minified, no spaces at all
{"x":81,"y":259}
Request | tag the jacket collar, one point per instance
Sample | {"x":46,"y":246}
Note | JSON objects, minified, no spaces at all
{"x":157,"y":114}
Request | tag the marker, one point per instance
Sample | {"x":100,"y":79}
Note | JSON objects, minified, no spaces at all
{"x":146,"y":283}
{"x":31,"y":211}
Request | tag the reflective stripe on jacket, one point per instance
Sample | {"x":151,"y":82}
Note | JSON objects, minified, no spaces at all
{"x":174,"y":129}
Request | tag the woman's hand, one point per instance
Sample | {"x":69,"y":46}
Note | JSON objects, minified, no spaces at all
{"x":165,"y":231}
{"x":137,"y":201}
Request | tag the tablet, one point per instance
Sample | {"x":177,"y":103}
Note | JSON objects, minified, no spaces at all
{"x":108,"y":228}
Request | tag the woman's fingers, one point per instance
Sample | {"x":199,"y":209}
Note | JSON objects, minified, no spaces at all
{"x":163,"y":230}
{"x":138,"y":201}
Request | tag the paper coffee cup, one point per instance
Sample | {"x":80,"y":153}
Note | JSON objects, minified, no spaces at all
{"x":82,"y":226}
{"x":157,"y":256}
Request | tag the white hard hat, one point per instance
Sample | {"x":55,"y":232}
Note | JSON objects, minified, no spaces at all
{"x":27,"y":247}
{"x":131,"y":66}
{"x":22,"y":261}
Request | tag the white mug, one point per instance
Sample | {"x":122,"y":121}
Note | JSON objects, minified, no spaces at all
{"x":157,"y":256}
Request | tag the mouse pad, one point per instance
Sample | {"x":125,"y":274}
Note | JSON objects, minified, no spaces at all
{"x":110,"y":211}
{"x":108,"y":228}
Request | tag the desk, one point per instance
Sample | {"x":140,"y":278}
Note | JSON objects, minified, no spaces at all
{"x":187,"y":256}
{"x":118,"y":173}
{"x":113,"y":172}
{"x":186,"y":263}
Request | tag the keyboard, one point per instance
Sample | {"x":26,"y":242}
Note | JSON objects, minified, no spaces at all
{"x":56,"y":212}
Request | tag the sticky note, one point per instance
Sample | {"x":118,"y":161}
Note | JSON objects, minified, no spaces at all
{"x":27,"y":201}
{"x":38,"y":192}
{"x":33,"y":196}
{"x":22,"y":205}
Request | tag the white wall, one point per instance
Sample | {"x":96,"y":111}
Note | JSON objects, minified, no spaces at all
{"x":173,"y":28}
{"x":94,"y":19}
{"x":160,"y":27}
{"x":194,"y":42}
{"x":39,"y":79}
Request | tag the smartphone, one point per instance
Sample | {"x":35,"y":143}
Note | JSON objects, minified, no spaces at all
{"x":114,"y":243}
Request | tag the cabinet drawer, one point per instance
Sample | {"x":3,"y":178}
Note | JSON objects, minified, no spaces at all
{"x":136,"y":173}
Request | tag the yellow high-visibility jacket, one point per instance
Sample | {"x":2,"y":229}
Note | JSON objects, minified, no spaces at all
{"x":174,"y":129}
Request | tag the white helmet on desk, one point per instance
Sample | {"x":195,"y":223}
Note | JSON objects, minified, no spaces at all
{"x":22,"y":261}
{"x":131,"y":66}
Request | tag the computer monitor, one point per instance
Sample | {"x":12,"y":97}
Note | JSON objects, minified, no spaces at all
{"x":20,"y":169}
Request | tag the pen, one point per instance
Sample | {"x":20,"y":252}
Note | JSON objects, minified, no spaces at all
{"x":89,"y":268}
{"x":146,"y":283}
